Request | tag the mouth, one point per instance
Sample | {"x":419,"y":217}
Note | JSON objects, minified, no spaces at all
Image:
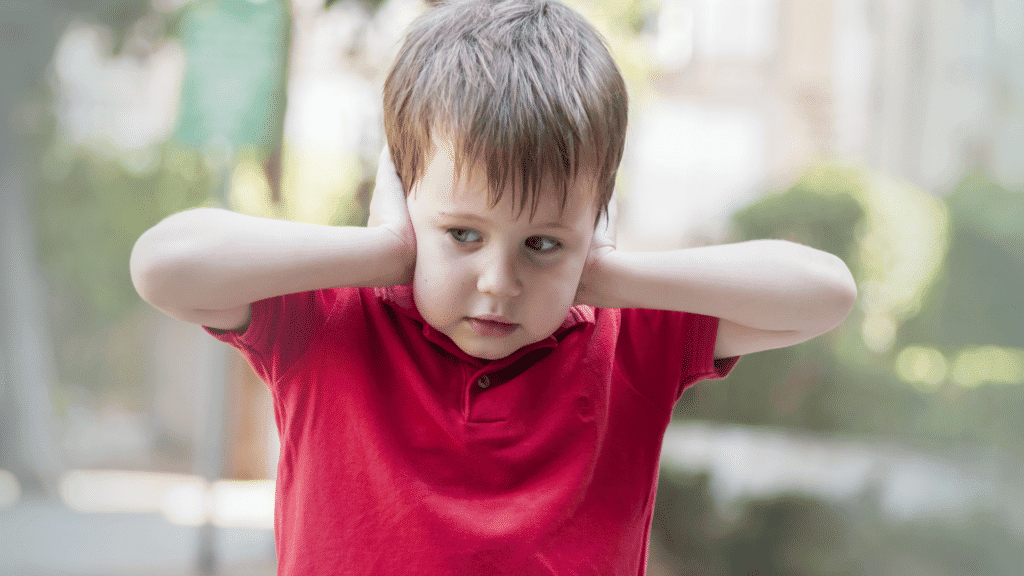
{"x":491,"y":326}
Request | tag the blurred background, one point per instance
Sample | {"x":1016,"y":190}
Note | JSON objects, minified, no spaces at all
{"x":888,"y":132}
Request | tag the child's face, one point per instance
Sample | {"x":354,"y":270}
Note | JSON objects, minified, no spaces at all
{"x":472,"y":261}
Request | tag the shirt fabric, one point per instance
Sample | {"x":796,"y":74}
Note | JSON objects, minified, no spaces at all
{"x":401,"y":454}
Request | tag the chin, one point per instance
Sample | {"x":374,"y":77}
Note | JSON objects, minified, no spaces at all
{"x":481,"y":348}
{"x":486,"y":353}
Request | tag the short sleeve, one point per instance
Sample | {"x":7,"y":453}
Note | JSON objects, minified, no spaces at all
{"x":701,"y":362}
{"x":280,"y":331}
{"x":664,"y":352}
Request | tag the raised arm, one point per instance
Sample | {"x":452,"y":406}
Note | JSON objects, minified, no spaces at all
{"x":206,"y":265}
{"x":766,"y":293}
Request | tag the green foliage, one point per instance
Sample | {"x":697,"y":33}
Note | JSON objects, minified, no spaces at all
{"x":997,"y":213}
{"x":88,"y":216}
{"x":790,"y":535}
{"x":979,"y":544}
{"x":794,"y":534}
{"x":978,"y":300}
{"x":795,"y":386}
{"x":820,"y":210}
{"x":834,"y":383}
{"x":786,"y":535}
{"x":89,"y":211}
{"x":91,"y":205}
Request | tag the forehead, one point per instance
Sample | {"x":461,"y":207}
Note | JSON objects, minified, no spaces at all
{"x":446,"y":190}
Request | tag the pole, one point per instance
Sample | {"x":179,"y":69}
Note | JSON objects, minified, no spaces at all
{"x":212,"y":448}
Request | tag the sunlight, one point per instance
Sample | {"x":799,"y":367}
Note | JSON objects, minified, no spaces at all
{"x":902,"y":249}
{"x":249,"y":191}
{"x":922,"y":366}
{"x":182,"y":499}
{"x":878,"y":332}
{"x":317,"y":182}
{"x":981,"y":364}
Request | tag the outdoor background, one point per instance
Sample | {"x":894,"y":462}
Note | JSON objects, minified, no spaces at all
{"x":888,"y":132}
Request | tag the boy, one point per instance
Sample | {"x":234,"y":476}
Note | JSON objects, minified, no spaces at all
{"x":478,"y":382}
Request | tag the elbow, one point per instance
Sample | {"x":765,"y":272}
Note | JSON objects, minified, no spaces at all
{"x":833,"y":309}
{"x":162,"y":257}
{"x":846,"y":301}
{"x":150,"y":266}
{"x":834,"y":294}
{"x":843,"y":294}
{"x":142,"y":264}
{"x":846,"y":284}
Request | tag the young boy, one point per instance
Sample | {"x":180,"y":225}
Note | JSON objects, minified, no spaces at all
{"x":479,"y":382}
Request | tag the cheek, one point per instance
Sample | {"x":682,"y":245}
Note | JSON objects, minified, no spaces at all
{"x":431,"y":267}
{"x":569,"y":273}
{"x":439,"y":278}
{"x":556,"y":291}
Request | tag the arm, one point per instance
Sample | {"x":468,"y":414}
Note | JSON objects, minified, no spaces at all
{"x":766,"y":293}
{"x":207,"y":265}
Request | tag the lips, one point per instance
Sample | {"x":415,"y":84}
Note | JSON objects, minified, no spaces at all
{"x":495,"y":318}
{"x":492,"y":325}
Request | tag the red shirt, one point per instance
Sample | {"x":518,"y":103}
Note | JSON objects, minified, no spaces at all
{"x":401,"y":454}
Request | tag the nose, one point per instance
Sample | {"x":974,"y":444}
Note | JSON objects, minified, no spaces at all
{"x":498,"y":276}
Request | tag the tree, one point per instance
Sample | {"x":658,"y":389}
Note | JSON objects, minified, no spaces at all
{"x":978,"y":299}
{"x":81,"y":220}
{"x":942,"y":275}
{"x":27,"y":443}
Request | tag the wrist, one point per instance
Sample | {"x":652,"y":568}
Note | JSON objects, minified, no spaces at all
{"x":398,"y":257}
{"x":597,"y":280}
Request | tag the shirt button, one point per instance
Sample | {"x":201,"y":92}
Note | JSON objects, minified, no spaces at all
{"x":484,"y":382}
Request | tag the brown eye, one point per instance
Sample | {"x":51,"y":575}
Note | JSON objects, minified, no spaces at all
{"x":541,"y":244}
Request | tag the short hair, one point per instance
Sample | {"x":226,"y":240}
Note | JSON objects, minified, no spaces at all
{"x":526,"y":88}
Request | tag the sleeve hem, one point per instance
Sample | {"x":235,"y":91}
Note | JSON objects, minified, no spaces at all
{"x":245,"y":340}
{"x":252,"y":332}
{"x":722,"y":366}
{"x":705,"y":366}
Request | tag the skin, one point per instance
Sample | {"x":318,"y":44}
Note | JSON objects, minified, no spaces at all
{"x":207,"y":266}
{"x":473,"y":260}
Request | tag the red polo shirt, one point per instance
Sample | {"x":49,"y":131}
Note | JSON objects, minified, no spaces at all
{"x":401,"y":454}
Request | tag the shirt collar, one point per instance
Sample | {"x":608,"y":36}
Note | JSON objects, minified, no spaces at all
{"x":400,"y":298}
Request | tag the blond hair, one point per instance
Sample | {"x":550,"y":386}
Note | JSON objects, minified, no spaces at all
{"x":525,"y":88}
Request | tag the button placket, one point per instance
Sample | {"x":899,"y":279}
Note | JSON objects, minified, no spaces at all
{"x":480,"y":399}
{"x":467,"y":390}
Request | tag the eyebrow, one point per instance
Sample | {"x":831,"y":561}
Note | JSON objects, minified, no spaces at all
{"x":471,"y":216}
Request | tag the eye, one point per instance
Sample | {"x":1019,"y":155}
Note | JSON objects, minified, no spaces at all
{"x":464,"y":234}
{"x":542,"y":244}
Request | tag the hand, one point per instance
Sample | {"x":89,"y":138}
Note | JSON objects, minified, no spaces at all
{"x":602,"y":243}
{"x":388,"y":210}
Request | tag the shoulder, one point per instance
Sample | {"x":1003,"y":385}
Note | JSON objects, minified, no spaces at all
{"x":283,"y":326}
{"x":667,"y":327}
{"x":665,"y":342}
